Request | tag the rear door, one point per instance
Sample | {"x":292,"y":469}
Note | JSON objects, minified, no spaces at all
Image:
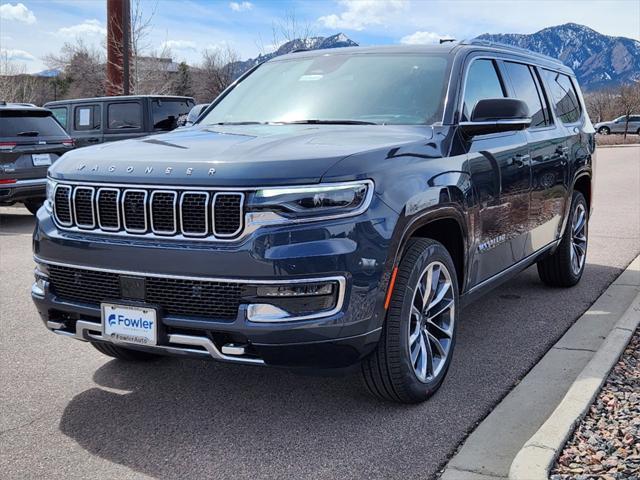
{"x":124,"y":119}
{"x":548,"y":150}
{"x":86,"y":124}
{"x":501,"y":178}
{"x":31,"y":141}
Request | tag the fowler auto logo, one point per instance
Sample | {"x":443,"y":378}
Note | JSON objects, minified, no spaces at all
{"x":114,"y":319}
{"x":148,"y":170}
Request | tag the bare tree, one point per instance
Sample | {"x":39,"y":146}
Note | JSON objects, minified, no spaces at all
{"x":629,"y":102}
{"x":216,"y":72}
{"x":83,"y":68}
{"x":601,"y":105}
{"x":15,"y":84}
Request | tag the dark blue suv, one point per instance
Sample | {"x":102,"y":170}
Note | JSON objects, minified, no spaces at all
{"x":330,"y":209}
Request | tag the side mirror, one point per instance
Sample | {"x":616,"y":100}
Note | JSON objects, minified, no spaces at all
{"x":494,"y":115}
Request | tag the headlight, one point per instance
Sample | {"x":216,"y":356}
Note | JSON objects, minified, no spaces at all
{"x":51,"y":188}
{"x":314,"y":201}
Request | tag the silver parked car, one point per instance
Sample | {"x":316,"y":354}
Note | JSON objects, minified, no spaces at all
{"x":618,"y":125}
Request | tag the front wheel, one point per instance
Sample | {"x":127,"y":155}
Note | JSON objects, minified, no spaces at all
{"x":33,"y":205}
{"x":418,"y":337}
{"x":565,"y":267}
{"x":604,"y":131}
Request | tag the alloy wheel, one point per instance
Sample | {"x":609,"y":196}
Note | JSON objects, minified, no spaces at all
{"x":578,"y":238}
{"x":432,"y":321}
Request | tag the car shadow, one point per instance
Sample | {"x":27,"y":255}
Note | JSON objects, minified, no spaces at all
{"x":177,"y":418}
{"x":16,"y":222}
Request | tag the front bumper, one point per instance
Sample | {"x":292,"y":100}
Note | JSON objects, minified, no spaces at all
{"x":23,"y":190}
{"x":352,"y":249}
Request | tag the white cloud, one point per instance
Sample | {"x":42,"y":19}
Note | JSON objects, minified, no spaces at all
{"x":178,"y":45}
{"x":240,"y":6}
{"x":422,"y":38}
{"x":359,"y":14}
{"x":17,"y":13}
{"x":16,"y":55}
{"x":88,"y":27}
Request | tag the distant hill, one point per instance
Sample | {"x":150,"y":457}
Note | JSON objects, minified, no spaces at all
{"x":600,"y":61}
{"x":311,"y":43}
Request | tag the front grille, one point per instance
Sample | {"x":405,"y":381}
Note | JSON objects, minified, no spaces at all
{"x":180,"y":297}
{"x":150,"y":211}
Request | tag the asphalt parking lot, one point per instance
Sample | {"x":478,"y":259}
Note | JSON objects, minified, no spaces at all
{"x":69,"y":412}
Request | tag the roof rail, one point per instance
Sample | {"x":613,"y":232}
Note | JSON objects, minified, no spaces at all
{"x":504,"y":46}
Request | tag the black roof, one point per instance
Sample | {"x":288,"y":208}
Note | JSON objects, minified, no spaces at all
{"x":443,"y":49}
{"x":118,"y":97}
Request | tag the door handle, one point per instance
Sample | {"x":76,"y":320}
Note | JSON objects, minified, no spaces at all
{"x":519,"y":160}
{"x":563,"y":150}
{"x":93,"y":140}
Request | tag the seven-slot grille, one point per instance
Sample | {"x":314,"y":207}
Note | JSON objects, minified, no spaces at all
{"x":151,"y":211}
{"x":176,"y":296}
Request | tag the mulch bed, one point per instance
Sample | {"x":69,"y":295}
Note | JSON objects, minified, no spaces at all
{"x":606,"y":444}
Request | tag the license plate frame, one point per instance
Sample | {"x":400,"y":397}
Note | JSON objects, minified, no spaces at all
{"x":128,"y":326}
{"x":41,"y":159}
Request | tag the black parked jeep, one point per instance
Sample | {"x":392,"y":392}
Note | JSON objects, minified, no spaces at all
{"x":330,"y":209}
{"x":30,"y":141}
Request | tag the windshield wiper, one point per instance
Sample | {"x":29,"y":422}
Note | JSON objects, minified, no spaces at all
{"x":238,"y":123}
{"x":30,"y":133}
{"x":328,"y":122}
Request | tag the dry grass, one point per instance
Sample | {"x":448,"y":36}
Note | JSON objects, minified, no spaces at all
{"x":617,"y":139}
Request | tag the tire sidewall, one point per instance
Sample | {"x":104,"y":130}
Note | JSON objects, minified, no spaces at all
{"x":577,"y":198}
{"x":434,"y":253}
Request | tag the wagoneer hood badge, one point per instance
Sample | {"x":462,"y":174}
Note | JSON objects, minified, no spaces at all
{"x":149,"y":169}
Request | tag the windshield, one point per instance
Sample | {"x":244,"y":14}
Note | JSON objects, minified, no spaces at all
{"x":337,"y":88}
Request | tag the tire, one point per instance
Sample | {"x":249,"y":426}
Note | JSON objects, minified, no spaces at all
{"x":604,"y":130}
{"x":33,"y":205}
{"x":565,"y":266}
{"x":122,"y":353}
{"x":391,"y":372}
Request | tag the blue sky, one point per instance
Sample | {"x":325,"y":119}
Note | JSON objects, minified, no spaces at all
{"x":31,"y":29}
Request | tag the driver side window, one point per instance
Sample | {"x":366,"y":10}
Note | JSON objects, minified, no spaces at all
{"x":482,"y":82}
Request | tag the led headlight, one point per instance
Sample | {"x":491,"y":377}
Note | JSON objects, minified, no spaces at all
{"x":51,"y":188}
{"x":314,"y":201}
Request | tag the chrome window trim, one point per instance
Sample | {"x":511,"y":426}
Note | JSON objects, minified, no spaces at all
{"x":85,"y":226}
{"x":55,"y":211}
{"x":109,"y":229}
{"x":144,"y":204}
{"x":206,"y":214}
{"x":213,"y":215}
{"x":175,"y":222}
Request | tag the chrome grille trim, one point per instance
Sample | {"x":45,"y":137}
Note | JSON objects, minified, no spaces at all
{"x":213,"y":215}
{"x":91,"y":206}
{"x":206,"y":214}
{"x":175,"y":223}
{"x":124,"y":213}
{"x":97,"y":206}
{"x":55,"y":193}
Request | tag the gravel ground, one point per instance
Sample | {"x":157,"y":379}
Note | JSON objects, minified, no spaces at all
{"x":606,"y":445}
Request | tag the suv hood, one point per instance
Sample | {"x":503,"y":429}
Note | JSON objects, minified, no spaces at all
{"x":239,"y":155}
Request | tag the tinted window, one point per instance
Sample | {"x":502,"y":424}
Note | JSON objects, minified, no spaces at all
{"x":86,"y":117}
{"x":564,"y":96}
{"x":378,"y":88}
{"x":60,"y":113}
{"x":122,"y":116}
{"x":16,"y":123}
{"x":482,"y":82}
{"x":634,"y":119}
{"x":525,"y":89}
{"x":167,"y":112}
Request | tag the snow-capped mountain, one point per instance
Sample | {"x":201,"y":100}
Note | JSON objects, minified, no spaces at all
{"x":600,"y":61}
{"x":311,"y":43}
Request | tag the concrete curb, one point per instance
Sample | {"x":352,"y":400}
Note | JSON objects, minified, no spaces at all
{"x":536,"y":458}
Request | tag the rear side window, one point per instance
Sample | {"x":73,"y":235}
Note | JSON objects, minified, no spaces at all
{"x":60,"y":113}
{"x":86,"y":117}
{"x":167,"y":112}
{"x":124,"y":116}
{"x":564,"y":96}
{"x":24,"y":123}
{"x":482,"y":82}
{"x":526,"y":89}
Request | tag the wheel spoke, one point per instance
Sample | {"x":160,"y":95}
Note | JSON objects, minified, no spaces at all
{"x":436,"y":343}
{"x":415,"y":352}
{"x":424,"y":359}
{"x":440,"y":311}
{"x":440,"y":295}
{"x":425,"y":282}
{"x":415,"y":333}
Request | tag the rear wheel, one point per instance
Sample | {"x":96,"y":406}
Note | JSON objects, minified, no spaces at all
{"x":122,"y":353}
{"x":418,"y":337}
{"x":33,"y":205}
{"x":565,"y":267}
